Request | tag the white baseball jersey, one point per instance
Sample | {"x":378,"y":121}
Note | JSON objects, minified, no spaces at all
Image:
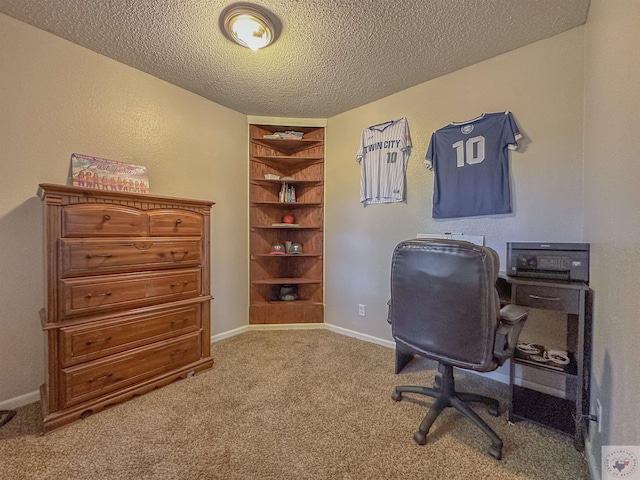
{"x":383,"y":155}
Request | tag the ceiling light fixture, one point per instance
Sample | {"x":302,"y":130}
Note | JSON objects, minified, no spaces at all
{"x":249,"y":25}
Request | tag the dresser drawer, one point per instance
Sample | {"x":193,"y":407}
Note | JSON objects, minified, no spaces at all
{"x":81,"y":343}
{"x":169,"y":223}
{"x":87,"y":381}
{"x":548,"y":298}
{"x":91,"y":256}
{"x":84,"y":220}
{"x":110,"y":292}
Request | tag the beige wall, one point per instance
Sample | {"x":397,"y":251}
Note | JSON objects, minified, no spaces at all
{"x":57,"y":98}
{"x":612,"y":213}
{"x":542,"y":84}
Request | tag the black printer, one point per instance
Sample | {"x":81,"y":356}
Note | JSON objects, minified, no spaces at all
{"x":555,"y":261}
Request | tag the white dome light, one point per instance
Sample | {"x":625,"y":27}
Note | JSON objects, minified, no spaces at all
{"x":248,"y":26}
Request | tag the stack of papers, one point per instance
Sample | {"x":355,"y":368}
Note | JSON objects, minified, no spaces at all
{"x":287,"y":135}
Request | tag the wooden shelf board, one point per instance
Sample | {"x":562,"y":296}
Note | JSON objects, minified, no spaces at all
{"x":286,"y":145}
{"x":265,"y":181}
{"x":284,"y":158}
{"x":268,"y":255}
{"x":285,"y":281}
{"x":269,"y":227}
{"x":277,"y":161}
{"x":289,"y":204}
{"x":282,"y":302}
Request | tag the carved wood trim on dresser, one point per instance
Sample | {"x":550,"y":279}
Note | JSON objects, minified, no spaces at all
{"x":127,"y":284}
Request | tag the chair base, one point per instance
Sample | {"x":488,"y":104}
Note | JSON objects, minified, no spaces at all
{"x":6,"y":416}
{"x":445,"y":395}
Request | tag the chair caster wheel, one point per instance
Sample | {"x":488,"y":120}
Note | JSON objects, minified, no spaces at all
{"x":420,"y":438}
{"x":494,"y":409}
{"x":496,"y":451}
{"x":437,"y":383}
{"x":396,"y":396}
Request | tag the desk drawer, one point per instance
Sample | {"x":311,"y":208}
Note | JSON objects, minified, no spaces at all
{"x":91,"y":220}
{"x":82,"y":343}
{"x":87,"y":381}
{"x":110,"y":292}
{"x":548,"y":298}
{"x":93,"y":256}
{"x":170,"y":223}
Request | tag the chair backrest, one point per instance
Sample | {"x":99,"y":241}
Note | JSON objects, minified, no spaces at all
{"x":444,"y":304}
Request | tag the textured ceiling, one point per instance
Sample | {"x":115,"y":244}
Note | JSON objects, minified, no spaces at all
{"x":332,"y":55}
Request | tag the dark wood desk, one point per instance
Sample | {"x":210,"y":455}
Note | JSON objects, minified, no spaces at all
{"x":560,"y":318}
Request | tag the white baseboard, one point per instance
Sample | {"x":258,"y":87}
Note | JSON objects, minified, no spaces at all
{"x":20,"y":401}
{"x":230,"y":333}
{"x":266,"y":326}
{"x":287,"y":326}
{"x":304,"y":326}
{"x":361,"y":336}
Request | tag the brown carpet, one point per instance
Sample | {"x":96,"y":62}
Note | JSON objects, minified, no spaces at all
{"x":298,"y":404}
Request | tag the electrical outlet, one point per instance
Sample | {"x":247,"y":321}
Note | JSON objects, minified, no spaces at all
{"x":361,"y":310}
{"x":599,"y":414}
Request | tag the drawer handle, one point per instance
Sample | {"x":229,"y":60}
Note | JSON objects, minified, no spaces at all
{"x":106,"y":255}
{"x":178,"y":221}
{"x":182,"y":321}
{"x":106,"y":218}
{"x":173,"y":252}
{"x":550,"y":299}
{"x":106,"y":294}
{"x":178,"y":284}
{"x":102,"y":340}
{"x":104,"y":377}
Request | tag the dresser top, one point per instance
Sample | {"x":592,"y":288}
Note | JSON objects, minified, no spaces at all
{"x":47,"y":191}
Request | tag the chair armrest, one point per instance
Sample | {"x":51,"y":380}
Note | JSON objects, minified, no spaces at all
{"x":512,"y":314}
{"x":512,"y":318}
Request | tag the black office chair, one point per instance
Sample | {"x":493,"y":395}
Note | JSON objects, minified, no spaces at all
{"x":444,"y":306}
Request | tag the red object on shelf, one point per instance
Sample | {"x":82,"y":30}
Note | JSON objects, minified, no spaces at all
{"x":288,"y":219}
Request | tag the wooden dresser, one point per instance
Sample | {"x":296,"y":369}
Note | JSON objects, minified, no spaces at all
{"x":128,"y":292}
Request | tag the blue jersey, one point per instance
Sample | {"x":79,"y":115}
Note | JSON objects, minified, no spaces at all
{"x":471,"y":164}
{"x":383,"y":154}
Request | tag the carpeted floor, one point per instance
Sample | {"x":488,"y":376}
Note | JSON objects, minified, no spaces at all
{"x":278,"y":405}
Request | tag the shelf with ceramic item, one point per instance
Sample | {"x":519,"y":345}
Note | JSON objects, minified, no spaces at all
{"x":286,"y":255}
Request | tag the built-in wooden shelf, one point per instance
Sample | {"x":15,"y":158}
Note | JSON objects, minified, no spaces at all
{"x":299,"y":164}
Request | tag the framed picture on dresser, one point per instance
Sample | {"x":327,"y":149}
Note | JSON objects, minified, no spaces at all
{"x":110,"y":175}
